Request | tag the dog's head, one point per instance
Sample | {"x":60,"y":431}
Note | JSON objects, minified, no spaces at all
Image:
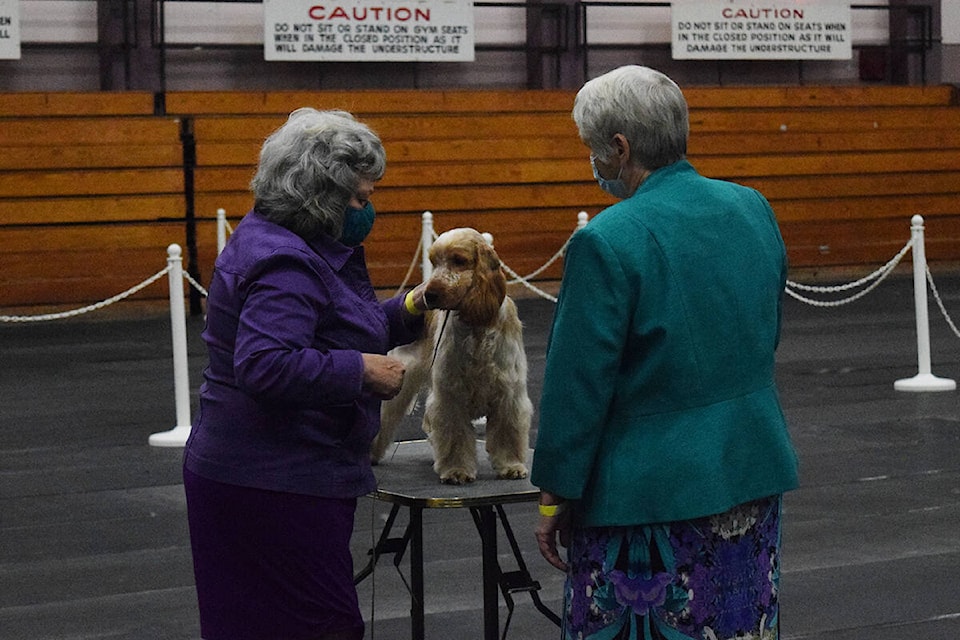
{"x":466,"y":277}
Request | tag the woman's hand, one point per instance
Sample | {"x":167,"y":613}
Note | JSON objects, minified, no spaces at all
{"x":552,"y":529}
{"x":382,"y":375}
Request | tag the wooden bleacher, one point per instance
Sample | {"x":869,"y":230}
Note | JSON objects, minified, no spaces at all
{"x":91,"y":195}
{"x":844,"y":167}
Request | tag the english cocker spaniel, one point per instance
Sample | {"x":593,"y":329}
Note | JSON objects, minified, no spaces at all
{"x":471,"y":360}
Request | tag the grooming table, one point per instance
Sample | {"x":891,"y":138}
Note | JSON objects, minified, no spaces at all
{"x":406,"y":479}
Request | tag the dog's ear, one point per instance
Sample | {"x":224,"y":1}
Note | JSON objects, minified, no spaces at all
{"x":482,"y":305}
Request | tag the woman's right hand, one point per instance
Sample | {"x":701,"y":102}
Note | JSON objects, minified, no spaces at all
{"x":382,"y":375}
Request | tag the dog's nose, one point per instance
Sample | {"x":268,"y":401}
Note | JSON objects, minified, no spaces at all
{"x":431,"y":299}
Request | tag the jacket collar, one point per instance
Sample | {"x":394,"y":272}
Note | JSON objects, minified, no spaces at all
{"x":664,"y":173}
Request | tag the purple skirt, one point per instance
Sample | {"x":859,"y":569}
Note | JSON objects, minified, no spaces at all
{"x":715,"y":577}
{"x":271,"y":565}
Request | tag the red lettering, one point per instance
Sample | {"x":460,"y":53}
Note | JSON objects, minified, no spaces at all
{"x":360,"y":14}
{"x":755,"y":14}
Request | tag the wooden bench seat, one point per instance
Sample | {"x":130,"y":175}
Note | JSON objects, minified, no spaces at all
{"x":366,"y":103}
{"x":76,"y":103}
{"x":817,"y":96}
{"x":823,"y":119}
{"x":78,"y":210}
{"x":793,"y":142}
{"x":559,"y":101}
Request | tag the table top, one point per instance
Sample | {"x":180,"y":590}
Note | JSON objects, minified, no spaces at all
{"x":405,"y":476}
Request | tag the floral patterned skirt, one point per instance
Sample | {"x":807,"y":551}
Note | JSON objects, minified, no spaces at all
{"x":713,"y":578}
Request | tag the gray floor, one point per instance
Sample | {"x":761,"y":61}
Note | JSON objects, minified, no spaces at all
{"x":93,"y":540}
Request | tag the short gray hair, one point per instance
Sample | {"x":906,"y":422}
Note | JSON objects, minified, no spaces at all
{"x":644,"y":105}
{"x":311,"y":167}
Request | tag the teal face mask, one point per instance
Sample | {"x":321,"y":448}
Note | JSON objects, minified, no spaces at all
{"x":616,"y":187}
{"x":357,"y":224}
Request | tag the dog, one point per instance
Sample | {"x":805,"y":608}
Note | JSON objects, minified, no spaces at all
{"x":471,"y":361}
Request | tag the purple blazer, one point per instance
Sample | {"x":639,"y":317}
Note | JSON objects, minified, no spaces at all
{"x":281,"y":405}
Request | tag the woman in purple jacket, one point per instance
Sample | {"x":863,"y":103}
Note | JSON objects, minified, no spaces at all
{"x":290,"y":402}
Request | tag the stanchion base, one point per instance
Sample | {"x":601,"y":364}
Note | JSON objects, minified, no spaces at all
{"x":925,"y":382}
{"x":176,"y":437}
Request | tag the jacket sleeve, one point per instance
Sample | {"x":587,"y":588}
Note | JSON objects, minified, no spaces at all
{"x":404,"y":328}
{"x":583,"y":360}
{"x":274,"y":359}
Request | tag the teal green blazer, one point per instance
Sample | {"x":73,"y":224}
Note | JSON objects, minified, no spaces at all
{"x":659,"y":401}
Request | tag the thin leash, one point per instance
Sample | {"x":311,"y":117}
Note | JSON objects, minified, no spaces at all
{"x":436,"y":348}
{"x":373,"y":537}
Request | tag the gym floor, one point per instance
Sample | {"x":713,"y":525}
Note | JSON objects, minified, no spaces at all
{"x":93,"y":525}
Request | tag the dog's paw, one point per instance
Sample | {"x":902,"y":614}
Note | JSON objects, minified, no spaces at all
{"x":457,"y":476}
{"x":515,"y":471}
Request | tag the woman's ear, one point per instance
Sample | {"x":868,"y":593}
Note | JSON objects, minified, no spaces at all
{"x":622,"y":147}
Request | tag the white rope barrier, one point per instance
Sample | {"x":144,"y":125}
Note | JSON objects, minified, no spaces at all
{"x":943,"y":309}
{"x":582,"y":218}
{"x":93,"y":307}
{"x":879,"y":275}
{"x":196,"y":285}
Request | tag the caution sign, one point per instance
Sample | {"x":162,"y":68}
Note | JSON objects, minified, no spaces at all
{"x":9,"y":30}
{"x":774,"y":30}
{"x":369,"y":30}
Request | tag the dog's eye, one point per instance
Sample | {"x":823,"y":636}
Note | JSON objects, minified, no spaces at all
{"x":459,"y":260}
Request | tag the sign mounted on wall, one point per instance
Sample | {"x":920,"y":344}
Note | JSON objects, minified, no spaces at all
{"x":368,"y":30}
{"x":9,"y":30}
{"x":761,"y":30}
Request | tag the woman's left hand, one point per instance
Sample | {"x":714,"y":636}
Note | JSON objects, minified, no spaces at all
{"x":553,"y":529}
{"x":382,"y":375}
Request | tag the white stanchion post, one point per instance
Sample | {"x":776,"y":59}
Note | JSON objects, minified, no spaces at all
{"x":221,"y":230}
{"x":924,"y":380}
{"x":177,"y":437}
{"x":582,"y":219}
{"x":426,"y":240}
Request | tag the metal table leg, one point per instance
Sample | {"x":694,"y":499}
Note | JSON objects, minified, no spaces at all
{"x":416,"y":574}
{"x":486,"y":521}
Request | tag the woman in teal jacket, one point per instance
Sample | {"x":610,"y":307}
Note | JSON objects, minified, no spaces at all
{"x":662,"y":450}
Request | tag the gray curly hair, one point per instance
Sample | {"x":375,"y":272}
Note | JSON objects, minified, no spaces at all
{"x":641,"y":103}
{"x":311,"y":167}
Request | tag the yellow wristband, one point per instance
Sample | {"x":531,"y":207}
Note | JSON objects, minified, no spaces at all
{"x":411,"y":307}
{"x":551,"y":510}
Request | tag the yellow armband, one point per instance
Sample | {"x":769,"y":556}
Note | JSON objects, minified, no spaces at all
{"x":551,"y":510}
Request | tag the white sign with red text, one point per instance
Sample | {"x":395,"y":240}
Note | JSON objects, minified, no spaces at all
{"x":761,"y":30}
{"x":369,"y":30}
{"x":9,"y":30}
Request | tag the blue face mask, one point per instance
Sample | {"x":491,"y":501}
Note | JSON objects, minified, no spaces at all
{"x":357,"y":224}
{"x":616,"y":187}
